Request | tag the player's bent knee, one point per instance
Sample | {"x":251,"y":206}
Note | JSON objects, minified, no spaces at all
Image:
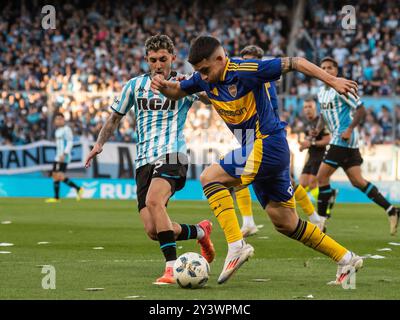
{"x":207,"y":176}
{"x":154,"y":201}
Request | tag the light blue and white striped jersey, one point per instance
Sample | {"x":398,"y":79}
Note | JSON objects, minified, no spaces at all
{"x":159,"y":121}
{"x":338,"y":111}
{"x":64,"y":143}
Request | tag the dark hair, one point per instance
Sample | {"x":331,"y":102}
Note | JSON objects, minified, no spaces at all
{"x":158,"y":42}
{"x":308,"y":98}
{"x":330,"y":59}
{"x":252,"y":50}
{"x":58,"y":114}
{"x":202,"y":48}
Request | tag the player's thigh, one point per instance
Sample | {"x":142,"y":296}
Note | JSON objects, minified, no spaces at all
{"x":159,"y":192}
{"x":61,"y":176}
{"x":216,"y":173}
{"x":284,"y":218}
{"x":325,"y":171}
{"x":308,"y":180}
{"x":312,"y":181}
{"x":54,"y":175}
{"x":355,"y":176}
{"x":148,"y":223}
{"x":277,"y":188}
{"x":304,"y":180}
{"x":143,"y":179}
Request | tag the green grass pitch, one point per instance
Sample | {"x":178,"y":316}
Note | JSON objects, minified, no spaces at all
{"x":130,"y":262}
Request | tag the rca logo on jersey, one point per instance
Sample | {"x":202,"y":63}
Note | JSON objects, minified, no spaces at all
{"x":156,"y":104}
{"x":326,"y":106}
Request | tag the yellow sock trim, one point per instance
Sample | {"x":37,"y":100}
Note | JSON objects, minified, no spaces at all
{"x":221,"y":203}
{"x":311,"y":236}
{"x":303,"y":200}
{"x":243,"y":199}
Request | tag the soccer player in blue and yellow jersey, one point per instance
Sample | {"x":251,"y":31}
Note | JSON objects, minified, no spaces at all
{"x":243,"y":194}
{"x":342,"y":116}
{"x":239,"y":92}
{"x":161,"y":162}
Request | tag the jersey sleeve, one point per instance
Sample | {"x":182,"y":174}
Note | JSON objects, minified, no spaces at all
{"x":192,"y":98}
{"x":192,"y":84}
{"x":255,"y":72}
{"x":125,"y":101}
{"x":353,"y":101}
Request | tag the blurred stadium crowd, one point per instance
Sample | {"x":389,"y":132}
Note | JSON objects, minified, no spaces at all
{"x":80,"y":66}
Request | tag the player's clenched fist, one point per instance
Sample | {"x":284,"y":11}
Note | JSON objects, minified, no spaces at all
{"x":158,"y":82}
{"x":97,"y":148}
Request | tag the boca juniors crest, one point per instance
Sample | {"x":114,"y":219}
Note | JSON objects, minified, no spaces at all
{"x":232,"y":90}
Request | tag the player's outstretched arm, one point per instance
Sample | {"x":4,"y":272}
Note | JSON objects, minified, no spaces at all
{"x":341,"y":85}
{"x":105,"y":134}
{"x":170,"y":89}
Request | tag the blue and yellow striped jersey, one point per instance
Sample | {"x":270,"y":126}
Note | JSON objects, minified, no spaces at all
{"x":245,"y":97}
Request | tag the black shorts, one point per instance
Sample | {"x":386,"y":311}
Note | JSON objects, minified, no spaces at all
{"x":169,"y":167}
{"x":337,"y":156}
{"x":312,"y":165}
{"x":59,"y":167}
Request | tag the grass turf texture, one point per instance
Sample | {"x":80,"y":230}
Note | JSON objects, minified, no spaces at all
{"x":130,"y":262}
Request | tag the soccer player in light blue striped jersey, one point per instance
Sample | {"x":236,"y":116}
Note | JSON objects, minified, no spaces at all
{"x":64,"y":144}
{"x":161,"y":162}
{"x":342,"y":116}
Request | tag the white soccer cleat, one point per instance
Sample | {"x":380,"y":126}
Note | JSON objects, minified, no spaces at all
{"x":248,"y":231}
{"x":345,"y":271}
{"x":234,"y":261}
{"x":321,"y":224}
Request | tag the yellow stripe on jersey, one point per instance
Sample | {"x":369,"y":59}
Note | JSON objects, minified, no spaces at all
{"x":228,"y":62}
{"x":252,"y":70}
{"x":253,"y":163}
{"x":291,"y":203}
{"x":267,"y":86}
{"x":214,"y":91}
{"x":249,"y":64}
{"x":258,"y":133}
{"x":236,"y":111}
{"x":245,"y":66}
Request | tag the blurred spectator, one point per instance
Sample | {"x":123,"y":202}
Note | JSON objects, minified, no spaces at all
{"x":80,"y":66}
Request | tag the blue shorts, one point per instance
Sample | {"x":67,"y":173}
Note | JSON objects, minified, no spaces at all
{"x":266,"y":165}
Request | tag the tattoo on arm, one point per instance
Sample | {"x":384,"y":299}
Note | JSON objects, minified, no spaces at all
{"x":109,"y":127}
{"x":289,"y":64}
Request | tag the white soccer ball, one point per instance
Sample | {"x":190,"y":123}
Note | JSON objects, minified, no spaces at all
{"x":191,"y":270}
